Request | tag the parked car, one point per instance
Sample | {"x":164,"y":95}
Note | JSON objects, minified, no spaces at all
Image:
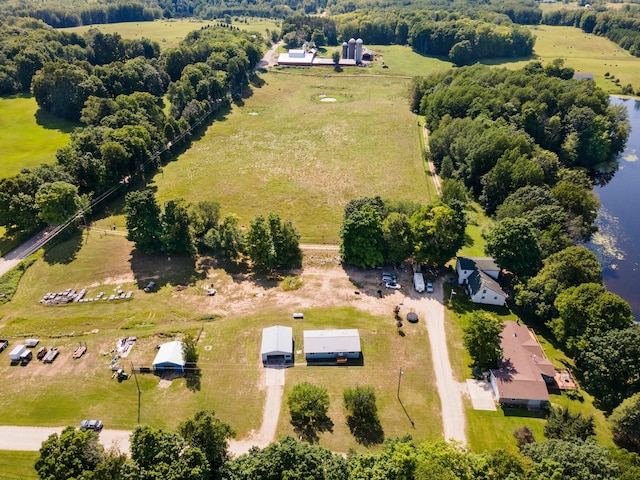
{"x":392,"y":285}
{"x":429,"y":286}
{"x":95,"y":425}
{"x":149,"y":286}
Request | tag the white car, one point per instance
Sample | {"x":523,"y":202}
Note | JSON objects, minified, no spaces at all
{"x":392,"y":285}
{"x":429,"y":286}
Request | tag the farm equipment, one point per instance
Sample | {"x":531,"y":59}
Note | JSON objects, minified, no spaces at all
{"x":42,"y":351}
{"x":79,"y":351}
{"x":120,"y":374}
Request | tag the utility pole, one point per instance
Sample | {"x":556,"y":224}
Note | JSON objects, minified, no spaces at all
{"x":399,"y":378}
{"x":139,"y":393}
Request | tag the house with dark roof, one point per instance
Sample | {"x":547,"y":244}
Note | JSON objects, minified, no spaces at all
{"x":480,"y":276}
{"x":524,"y":371}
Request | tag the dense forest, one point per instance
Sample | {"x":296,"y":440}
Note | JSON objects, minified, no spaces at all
{"x":115,"y":89}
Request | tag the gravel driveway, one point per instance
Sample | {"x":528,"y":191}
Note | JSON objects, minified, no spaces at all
{"x":29,"y":439}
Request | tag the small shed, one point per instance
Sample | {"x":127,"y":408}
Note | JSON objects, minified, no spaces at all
{"x":277,"y":345}
{"x":170,"y":357}
{"x":339,"y":344}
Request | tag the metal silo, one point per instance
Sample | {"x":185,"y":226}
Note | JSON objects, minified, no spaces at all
{"x":359,"y":51}
{"x":352,"y":48}
{"x":345,"y":50}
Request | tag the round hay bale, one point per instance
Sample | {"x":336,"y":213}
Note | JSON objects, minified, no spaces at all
{"x":412,"y":317}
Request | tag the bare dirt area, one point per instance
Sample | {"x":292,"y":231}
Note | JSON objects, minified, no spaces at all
{"x":29,"y":439}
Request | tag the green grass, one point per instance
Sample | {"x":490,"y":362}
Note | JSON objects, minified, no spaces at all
{"x":477,"y":224}
{"x":282,"y":151}
{"x":28,"y":135}
{"x":10,"y":280}
{"x":583,"y":52}
{"x":169,"y":33}
{"x":16,"y":465}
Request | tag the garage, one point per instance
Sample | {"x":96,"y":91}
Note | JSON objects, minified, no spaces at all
{"x":277,"y":345}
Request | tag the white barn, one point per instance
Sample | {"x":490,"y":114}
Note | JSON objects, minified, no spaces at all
{"x":339,"y":344}
{"x":465,"y":266}
{"x":277,"y":345}
{"x":170,"y":357}
{"x":484,"y":289}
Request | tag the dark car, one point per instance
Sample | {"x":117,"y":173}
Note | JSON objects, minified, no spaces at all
{"x":95,"y":425}
{"x":3,"y":344}
{"x":150,"y":286}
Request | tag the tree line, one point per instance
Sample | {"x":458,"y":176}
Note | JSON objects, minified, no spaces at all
{"x":119,"y":102}
{"x":528,"y":156}
{"x":462,"y":38}
{"x":198,"y":450}
{"x":181,"y":228}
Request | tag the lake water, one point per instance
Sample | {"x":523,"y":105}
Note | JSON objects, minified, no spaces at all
{"x":617,"y":244}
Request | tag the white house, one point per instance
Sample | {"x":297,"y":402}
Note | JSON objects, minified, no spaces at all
{"x":465,"y":266}
{"x":170,"y":356}
{"x":339,"y":344}
{"x":484,"y":289}
{"x":277,"y":345}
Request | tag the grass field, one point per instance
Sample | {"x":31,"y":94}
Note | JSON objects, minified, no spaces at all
{"x":29,"y":135}
{"x":286,"y":150}
{"x":18,"y":465}
{"x":583,"y":52}
{"x":169,"y":33}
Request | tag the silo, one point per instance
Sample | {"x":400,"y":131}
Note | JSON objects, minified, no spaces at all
{"x":359,"y":51}
{"x":345,"y":50}
{"x":352,"y":48}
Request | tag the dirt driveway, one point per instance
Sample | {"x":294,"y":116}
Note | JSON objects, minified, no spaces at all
{"x":29,"y":439}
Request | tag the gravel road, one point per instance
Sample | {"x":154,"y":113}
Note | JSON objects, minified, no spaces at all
{"x":29,"y":439}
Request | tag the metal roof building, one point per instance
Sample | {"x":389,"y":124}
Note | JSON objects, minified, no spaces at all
{"x":170,"y":357}
{"x":332,"y":344}
{"x":277,"y":345}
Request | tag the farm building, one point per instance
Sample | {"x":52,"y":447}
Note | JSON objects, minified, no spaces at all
{"x":277,"y":345}
{"x":338,"y":345}
{"x":524,"y":371}
{"x":480,"y":276}
{"x":170,"y":357}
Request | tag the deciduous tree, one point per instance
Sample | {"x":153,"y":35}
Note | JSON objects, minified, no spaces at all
{"x":565,"y":425}
{"x":362,"y":419}
{"x":625,"y":423}
{"x":514,"y":246}
{"x":482,"y":338}
{"x":142,"y":214}
{"x":362,"y":238}
{"x":438,"y":233}
{"x":308,"y":404}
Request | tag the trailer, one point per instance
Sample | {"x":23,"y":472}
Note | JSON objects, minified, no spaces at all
{"x":418,"y":282}
{"x":18,"y":350}
{"x":51,"y":355}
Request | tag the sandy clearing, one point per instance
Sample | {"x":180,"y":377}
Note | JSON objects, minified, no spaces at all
{"x":29,"y":439}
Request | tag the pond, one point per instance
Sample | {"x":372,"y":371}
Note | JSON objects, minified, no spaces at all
{"x":617,"y":243}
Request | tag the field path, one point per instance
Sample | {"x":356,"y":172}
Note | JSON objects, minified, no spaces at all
{"x":432,"y":167}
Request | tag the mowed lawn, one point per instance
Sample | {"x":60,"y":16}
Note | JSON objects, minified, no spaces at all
{"x":28,"y":135}
{"x":287,"y":151}
{"x":169,"y":33}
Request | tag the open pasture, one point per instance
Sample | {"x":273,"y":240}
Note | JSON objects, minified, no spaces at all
{"x":293,"y":149}
{"x":28,"y":135}
{"x":169,"y":33}
{"x":583,"y":52}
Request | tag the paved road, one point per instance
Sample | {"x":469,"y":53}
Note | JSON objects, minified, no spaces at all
{"x":15,"y":256}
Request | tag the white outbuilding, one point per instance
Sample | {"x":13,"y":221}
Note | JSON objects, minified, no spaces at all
{"x":170,"y":356}
{"x":277,"y":345}
{"x":338,"y":344}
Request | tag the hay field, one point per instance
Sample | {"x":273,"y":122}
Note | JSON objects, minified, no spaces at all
{"x":28,"y":135}
{"x":303,"y":146}
{"x":169,"y":33}
{"x":585,"y":53}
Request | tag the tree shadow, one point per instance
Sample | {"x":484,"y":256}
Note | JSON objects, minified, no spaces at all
{"x":256,"y":81}
{"x":51,"y":122}
{"x":366,"y":431}
{"x":65,"y":251}
{"x":193,"y":376}
{"x":310,"y":431}
{"x":165,"y":270}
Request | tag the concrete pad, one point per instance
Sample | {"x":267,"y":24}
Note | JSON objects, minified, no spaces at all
{"x":274,"y":376}
{"x":481,"y":395}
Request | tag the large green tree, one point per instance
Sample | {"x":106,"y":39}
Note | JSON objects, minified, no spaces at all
{"x":272,"y":243}
{"x":482,"y":338}
{"x":610,"y":367}
{"x":362,"y":238}
{"x":206,"y":432}
{"x":362,"y":418}
{"x":308,"y":404}
{"x":567,"y":268}
{"x":565,"y":425}
{"x":71,"y":455}
{"x":438,"y":233}
{"x":514,"y":246}
{"x":142,"y":214}
{"x":57,"y":202}
{"x":625,"y":423}
{"x":176,"y":232}
{"x":586,"y":311}
{"x":230,"y":243}
{"x":398,"y":237}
